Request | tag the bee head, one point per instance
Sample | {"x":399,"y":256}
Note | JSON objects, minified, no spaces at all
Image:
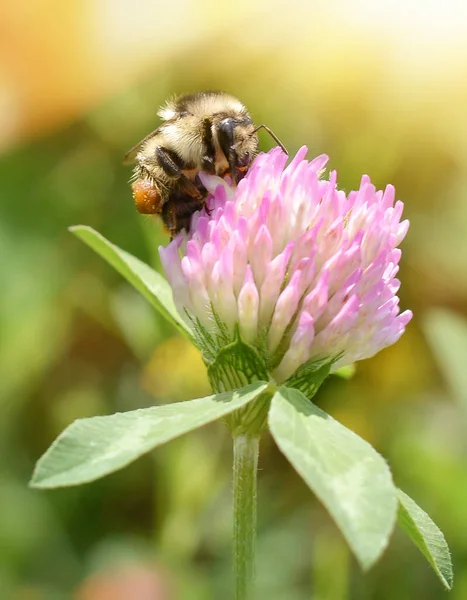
{"x":238,"y":141}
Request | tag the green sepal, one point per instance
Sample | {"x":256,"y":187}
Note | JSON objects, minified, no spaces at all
{"x":309,"y":377}
{"x":235,"y":365}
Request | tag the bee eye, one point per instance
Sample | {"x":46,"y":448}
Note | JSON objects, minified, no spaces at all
{"x":225,"y":135}
{"x":227,"y":125}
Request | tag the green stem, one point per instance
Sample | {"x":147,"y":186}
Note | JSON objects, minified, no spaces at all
{"x":245,"y":465}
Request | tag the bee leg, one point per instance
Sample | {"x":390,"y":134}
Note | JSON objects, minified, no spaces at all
{"x":170,"y":162}
{"x":169,"y":217}
{"x":208,"y":161}
{"x":192,"y":190}
{"x":208,"y":165}
{"x":173,"y":166}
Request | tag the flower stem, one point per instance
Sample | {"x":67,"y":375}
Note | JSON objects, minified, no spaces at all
{"x":246,"y":450}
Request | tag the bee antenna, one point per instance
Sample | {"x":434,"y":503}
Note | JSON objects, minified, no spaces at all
{"x":273,"y":135}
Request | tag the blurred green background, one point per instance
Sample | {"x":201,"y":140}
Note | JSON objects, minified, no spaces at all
{"x":381,"y":88}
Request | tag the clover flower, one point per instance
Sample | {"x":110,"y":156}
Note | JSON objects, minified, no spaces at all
{"x":281,"y":281}
{"x":292,"y":265}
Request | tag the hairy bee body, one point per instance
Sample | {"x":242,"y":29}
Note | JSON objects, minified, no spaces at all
{"x":206,"y":131}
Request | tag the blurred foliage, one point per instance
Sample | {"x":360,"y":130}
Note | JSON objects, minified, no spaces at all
{"x":77,"y":341}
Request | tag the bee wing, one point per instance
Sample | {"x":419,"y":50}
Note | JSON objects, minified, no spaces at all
{"x":130,"y":156}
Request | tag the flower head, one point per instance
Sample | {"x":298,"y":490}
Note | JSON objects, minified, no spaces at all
{"x":292,"y":266}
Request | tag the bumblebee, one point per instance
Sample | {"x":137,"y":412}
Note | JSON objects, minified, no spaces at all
{"x":206,"y":131}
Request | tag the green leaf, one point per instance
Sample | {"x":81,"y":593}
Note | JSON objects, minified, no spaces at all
{"x":91,"y":448}
{"x":427,"y":537}
{"x":147,"y":281}
{"x":347,"y":474}
{"x":447,"y":334}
